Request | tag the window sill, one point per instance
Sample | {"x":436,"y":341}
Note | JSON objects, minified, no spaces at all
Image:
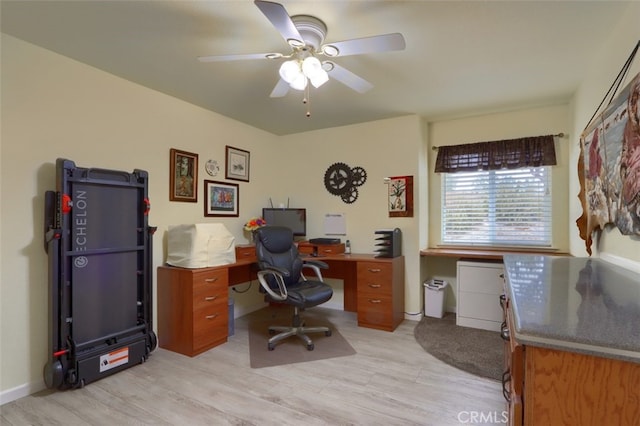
{"x":485,"y":253}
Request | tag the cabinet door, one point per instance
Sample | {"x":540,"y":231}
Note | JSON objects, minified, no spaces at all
{"x":479,"y":288}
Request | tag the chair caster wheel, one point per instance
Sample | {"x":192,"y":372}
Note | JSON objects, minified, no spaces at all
{"x":310,"y":347}
{"x":271,"y":346}
{"x":327,"y":333}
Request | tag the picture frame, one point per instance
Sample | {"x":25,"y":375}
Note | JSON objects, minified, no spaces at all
{"x":237,"y":163}
{"x":183,"y":176}
{"x":400,"y":196}
{"x":221,"y":199}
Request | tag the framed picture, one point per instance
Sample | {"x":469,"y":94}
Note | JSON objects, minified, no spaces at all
{"x":221,"y":199}
{"x":183,"y":178}
{"x":237,"y":164}
{"x":400,"y":199}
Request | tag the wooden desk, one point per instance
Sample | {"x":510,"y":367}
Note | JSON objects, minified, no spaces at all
{"x":192,"y":316}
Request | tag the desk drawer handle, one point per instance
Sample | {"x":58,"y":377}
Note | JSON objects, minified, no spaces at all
{"x":374,"y":270}
{"x":210,"y":298}
{"x":211,"y":316}
{"x":375,"y":301}
{"x":504,"y":331}
{"x":211,"y":280}
{"x":375,"y":285}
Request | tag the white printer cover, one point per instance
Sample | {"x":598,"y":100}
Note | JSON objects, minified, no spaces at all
{"x":200,"y":245}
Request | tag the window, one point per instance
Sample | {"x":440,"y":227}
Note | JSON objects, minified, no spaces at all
{"x":506,"y":207}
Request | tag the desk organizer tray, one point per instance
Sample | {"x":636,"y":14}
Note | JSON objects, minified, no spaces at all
{"x":99,"y":244}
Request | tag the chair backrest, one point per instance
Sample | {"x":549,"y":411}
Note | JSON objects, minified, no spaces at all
{"x":275,"y":247}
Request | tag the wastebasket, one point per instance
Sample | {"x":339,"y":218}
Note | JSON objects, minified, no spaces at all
{"x":231,"y":329}
{"x":434,"y":292}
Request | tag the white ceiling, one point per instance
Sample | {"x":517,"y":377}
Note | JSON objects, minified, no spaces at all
{"x":462,"y":57}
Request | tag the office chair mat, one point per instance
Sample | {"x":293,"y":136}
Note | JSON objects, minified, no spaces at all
{"x":293,"y":349}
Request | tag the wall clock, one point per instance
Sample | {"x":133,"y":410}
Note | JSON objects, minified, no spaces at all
{"x":212,"y":167}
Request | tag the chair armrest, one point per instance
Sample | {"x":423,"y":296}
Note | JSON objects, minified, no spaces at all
{"x":314,"y":265}
{"x":281,"y":292}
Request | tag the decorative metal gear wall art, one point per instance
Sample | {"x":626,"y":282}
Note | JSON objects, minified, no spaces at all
{"x":343,"y":181}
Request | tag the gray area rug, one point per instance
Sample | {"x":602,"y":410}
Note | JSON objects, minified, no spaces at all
{"x":480,"y":352}
{"x":292,"y":350}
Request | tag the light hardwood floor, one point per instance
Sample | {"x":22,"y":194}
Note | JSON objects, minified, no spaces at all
{"x":390,"y":381}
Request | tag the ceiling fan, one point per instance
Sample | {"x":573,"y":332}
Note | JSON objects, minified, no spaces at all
{"x":306,"y":35}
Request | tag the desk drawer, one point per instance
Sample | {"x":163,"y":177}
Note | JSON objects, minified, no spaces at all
{"x":376,"y":312}
{"x":375,"y":278}
{"x":246,"y":252}
{"x":208,"y":298}
{"x":210,"y":278}
{"x":210,"y":325}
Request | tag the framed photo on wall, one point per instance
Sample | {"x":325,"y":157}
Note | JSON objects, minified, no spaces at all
{"x":183,"y":176}
{"x":221,"y":199}
{"x":237,"y":164}
{"x":400,"y":199}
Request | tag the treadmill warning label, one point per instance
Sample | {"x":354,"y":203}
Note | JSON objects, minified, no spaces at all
{"x":114,"y":359}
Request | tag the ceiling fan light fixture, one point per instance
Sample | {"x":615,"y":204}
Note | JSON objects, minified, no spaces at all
{"x":299,"y":82}
{"x":319,"y":79}
{"x":312,"y":68}
{"x":290,"y":70}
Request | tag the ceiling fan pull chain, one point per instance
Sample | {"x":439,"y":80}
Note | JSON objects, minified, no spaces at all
{"x":307,"y":100}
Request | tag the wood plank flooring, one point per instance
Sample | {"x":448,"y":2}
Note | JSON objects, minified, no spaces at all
{"x":390,"y":381}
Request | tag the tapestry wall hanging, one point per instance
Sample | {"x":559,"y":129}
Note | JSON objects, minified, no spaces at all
{"x":610,"y":151}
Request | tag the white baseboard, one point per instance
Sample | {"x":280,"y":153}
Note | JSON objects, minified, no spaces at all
{"x":21,"y":391}
{"x":621,"y":261}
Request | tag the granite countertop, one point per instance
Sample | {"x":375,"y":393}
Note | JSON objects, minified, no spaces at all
{"x":584,"y":305}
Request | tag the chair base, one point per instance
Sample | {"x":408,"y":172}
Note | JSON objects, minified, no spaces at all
{"x":296,"y":329}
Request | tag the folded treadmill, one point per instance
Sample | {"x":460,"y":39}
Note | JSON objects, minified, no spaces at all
{"x":98,"y":242}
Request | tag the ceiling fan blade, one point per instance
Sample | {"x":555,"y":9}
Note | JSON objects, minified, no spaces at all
{"x":349,"y":79}
{"x":224,"y":58}
{"x":374,"y":44}
{"x":277,"y":14}
{"x":281,"y":89}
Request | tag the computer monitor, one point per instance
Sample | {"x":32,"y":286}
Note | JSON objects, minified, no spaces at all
{"x":293,"y":218}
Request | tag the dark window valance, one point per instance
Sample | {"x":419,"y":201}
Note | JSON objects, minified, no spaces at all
{"x":533,"y":151}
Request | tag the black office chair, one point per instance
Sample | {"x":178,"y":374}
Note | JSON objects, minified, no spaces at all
{"x":282,"y":281}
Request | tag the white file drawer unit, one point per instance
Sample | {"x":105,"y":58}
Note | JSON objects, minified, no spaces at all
{"x":480,"y":285}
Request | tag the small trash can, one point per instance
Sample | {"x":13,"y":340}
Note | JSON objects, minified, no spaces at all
{"x":231,"y":318}
{"x":434,"y":292}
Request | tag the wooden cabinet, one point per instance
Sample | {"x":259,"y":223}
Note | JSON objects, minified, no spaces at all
{"x":192,"y":309}
{"x":479,"y":286}
{"x":546,"y":386}
{"x":380,"y":293}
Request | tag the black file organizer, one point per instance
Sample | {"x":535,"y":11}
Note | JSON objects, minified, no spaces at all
{"x":388,"y":242}
{"x":98,"y":241}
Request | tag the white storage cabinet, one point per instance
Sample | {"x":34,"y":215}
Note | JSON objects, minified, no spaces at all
{"x":480,"y":285}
